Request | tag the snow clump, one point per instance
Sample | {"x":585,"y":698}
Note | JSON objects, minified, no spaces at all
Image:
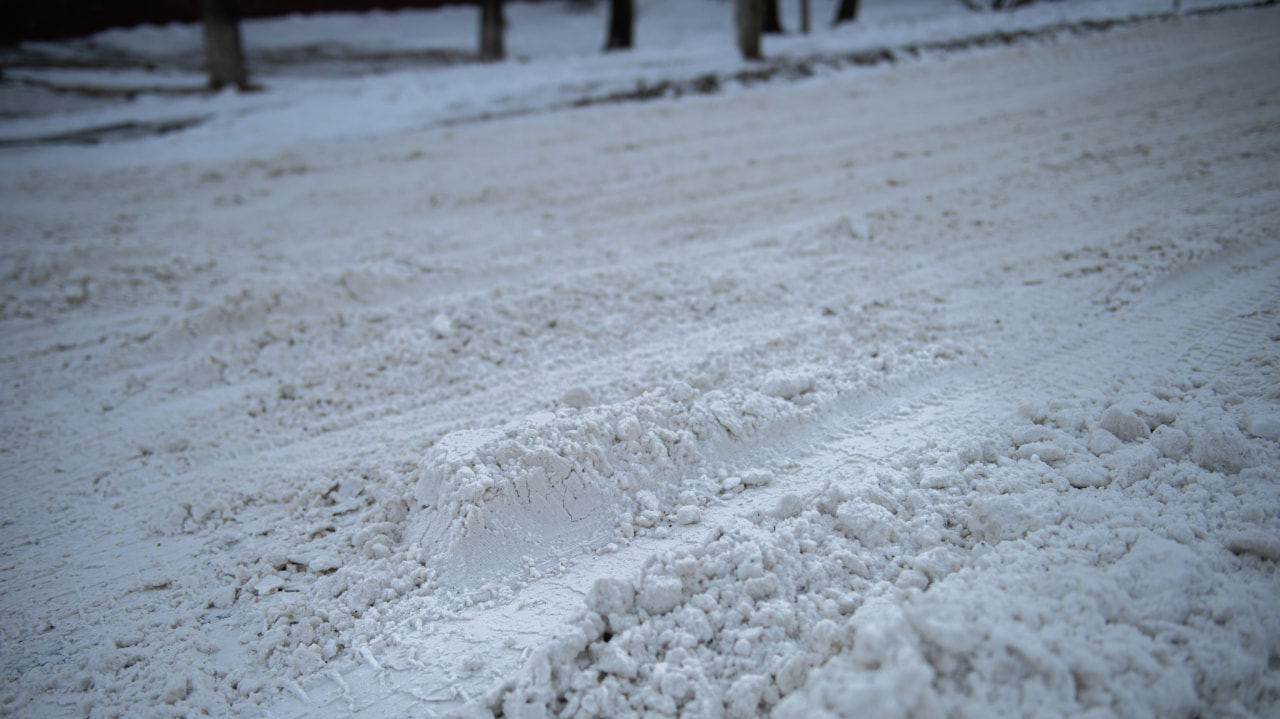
{"x":1017,"y":578}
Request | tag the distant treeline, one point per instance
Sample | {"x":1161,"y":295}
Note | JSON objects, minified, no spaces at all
{"x":61,"y":19}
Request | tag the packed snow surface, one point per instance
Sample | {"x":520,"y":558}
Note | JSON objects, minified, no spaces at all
{"x":949,"y":387}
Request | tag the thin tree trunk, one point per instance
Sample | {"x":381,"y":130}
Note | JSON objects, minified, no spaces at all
{"x":491,"y":27}
{"x":750,"y":19}
{"x":621,"y":24}
{"x":772,"y":19}
{"x":804,"y":17}
{"x":847,"y":11}
{"x":224,"y":57}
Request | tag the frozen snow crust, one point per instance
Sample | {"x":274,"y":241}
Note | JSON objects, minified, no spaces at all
{"x":945,"y":388}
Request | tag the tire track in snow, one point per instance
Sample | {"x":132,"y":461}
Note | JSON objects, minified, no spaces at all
{"x":920,"y":403}
{"x":1200,"y":317}
{"x":1245,"y":320}
{"x":1208,"y":307}
{"x":1187,"y":321}
{"x":1071,"y":360}
{"x":1202,"y":320}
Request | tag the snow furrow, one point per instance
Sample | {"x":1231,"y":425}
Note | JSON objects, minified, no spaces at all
{"x":845,"y":585}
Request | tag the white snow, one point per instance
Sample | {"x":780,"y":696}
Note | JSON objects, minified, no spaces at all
{"x":556,"y":63}
{"x":945,"y":387}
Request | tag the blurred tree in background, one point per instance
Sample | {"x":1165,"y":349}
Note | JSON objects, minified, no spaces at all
{"x":492,"y":25}
{"x":772,"y":19}
{"x":749,"y":17}
{"x":224,"y":57}
{"x":621,"y":24}
{"x":846,"y":11}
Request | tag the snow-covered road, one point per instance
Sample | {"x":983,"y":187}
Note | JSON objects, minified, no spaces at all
{"x":946,"y":388}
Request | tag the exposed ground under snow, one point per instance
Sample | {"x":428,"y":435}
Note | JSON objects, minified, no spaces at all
{"x":948,"y":388}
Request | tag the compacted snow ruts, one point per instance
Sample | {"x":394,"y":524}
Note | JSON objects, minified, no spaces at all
{"x":1072,"y":560}
{"x":945,"y":388}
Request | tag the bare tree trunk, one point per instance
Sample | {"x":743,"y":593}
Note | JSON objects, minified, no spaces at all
{"x":621,"y":24}
{"x":847,"y":11}
{"x":772,"y":19}
{"x":491,"y":27}
{"x":804,"y":17}
{"x":750,"y":19}
{"x":224,"y":57}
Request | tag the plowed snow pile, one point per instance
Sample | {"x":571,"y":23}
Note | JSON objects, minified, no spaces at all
{"x":950,"y":388}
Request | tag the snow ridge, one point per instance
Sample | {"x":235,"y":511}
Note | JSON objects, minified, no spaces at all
{"x":1015,"y":577}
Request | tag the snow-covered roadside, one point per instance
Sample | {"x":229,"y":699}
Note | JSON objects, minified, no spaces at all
{"x":683,"y":47}
{"x":356,"y":427}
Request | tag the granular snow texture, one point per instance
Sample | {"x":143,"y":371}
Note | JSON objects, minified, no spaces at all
{"x":972,"y":577}
{"x":948,"y":388}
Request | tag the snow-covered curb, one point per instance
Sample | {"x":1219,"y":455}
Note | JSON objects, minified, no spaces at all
{"x":549,"y":81}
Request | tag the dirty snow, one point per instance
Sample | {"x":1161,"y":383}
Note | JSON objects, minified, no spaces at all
{"x":947,"y":387}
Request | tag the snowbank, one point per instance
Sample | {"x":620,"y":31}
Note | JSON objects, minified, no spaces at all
{"x":1015,"y":576}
